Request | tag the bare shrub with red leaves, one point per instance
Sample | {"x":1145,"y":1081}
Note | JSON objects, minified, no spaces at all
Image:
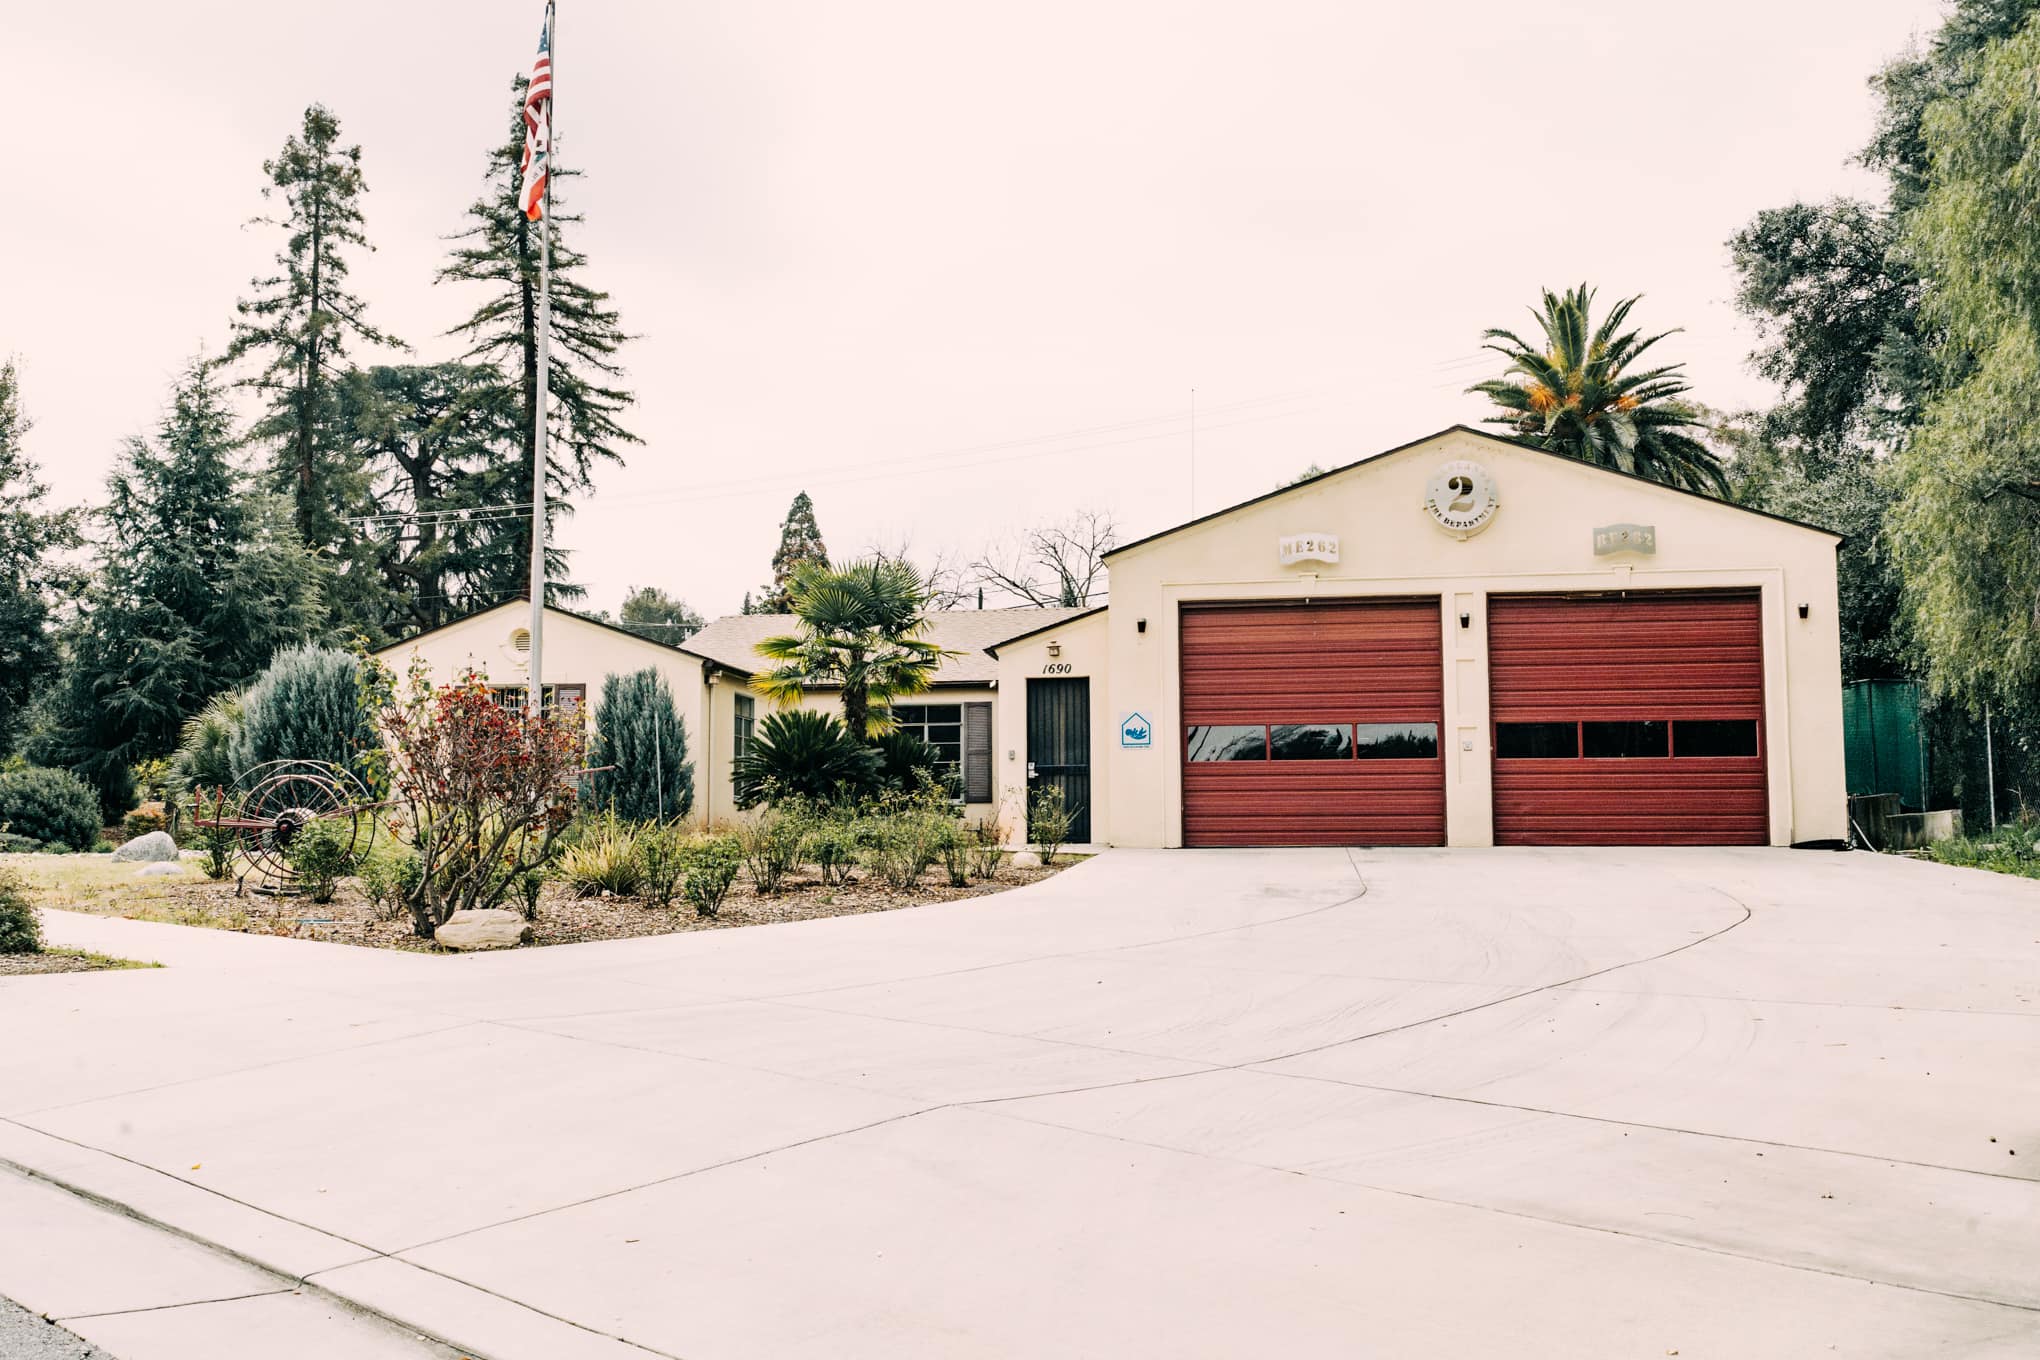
{"x":481,"y":793}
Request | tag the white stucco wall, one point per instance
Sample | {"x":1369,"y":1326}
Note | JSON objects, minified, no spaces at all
{"x":1540,"y":540}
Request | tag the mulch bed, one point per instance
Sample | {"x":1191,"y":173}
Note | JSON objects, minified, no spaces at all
{"x":562,"y":917}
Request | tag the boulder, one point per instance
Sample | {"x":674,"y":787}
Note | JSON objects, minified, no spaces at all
{"x":1026,"y":859}
{"x":160,"y":869}
{"x":493,"y":928}
{"x":154,"y":846}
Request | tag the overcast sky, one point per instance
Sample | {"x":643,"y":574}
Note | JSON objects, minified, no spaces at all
{"x":952,"y":267}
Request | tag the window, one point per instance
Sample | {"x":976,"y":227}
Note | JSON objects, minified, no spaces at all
{"x":940,"y":725}
{"x":557,"y":697}
{"x":1626,"y":740}
{"x":1311,"y":741}
{"x":1710,"y":737}
{"x":747,"y":721}
{"x":1210,"y":744}
{"x":1397,"y":741}
{"x":1537,"y":740}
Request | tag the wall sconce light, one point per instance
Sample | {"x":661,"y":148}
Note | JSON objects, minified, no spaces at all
{"x":1054,"y":647}
{"x":1465,"y":619}
{"x":1140,"y":625}
{"x":1802,"y":609}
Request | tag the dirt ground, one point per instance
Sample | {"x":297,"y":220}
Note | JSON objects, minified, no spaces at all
{"x":94,"y":883}
{"x":62,"y":961}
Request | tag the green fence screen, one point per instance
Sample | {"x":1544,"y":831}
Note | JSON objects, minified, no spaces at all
{"x":1882,"y":749}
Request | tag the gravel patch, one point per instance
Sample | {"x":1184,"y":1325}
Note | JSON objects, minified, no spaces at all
{"x":56,"y":961}
{"x":25,"y":1336}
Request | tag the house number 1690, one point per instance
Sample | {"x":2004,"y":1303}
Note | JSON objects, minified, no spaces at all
{"x":1056,"y":668}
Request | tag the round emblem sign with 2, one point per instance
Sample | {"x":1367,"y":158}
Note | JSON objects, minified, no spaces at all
{"x":1462,"y":498}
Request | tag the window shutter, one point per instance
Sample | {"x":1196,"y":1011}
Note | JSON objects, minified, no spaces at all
{"x":977,"y":753}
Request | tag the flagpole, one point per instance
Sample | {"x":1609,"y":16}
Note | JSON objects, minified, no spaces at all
{"x":535,"y":700}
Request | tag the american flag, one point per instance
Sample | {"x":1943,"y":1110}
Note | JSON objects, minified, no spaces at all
{"x":538,"y":125}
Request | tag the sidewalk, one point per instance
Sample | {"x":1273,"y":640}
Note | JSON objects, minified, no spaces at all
{"x":138,"y":1292}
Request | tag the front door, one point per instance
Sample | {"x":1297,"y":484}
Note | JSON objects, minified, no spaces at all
{"x":1059,"y":749}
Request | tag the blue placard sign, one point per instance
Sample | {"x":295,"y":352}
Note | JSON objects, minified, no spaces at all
{"x":1136,"y":731}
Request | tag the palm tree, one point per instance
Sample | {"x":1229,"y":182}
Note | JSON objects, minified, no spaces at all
{"x":1575,"y":394}
{"x":860,"y":629}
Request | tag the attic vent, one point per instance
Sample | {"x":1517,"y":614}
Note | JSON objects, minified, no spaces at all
{"x":521,"y":640}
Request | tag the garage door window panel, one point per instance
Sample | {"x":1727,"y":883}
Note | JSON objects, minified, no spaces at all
{"x":1646,"y":740}
{"x":1215,"y":745}
{"x":1310,"y":741}
{"x":1537,"y":740}
{"x":1396,"y":741}
{"x":1713,"y":738}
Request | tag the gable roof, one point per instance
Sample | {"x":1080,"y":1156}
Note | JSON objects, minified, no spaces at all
{"x":732,"y":641}
{"x":1491,"y":438}
{"x":1071,"y":616}
{"x":524,"y":606}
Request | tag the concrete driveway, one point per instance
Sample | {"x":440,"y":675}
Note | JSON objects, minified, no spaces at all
{"x":1711,"y":1103}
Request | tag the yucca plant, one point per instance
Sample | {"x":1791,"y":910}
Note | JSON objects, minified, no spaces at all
{"x":1579,"y":394}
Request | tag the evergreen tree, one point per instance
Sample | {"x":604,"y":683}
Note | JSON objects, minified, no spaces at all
{"x":29,"y":533}
{"x":500,"y":249}
{"x":640,"y":738}
{"x":652,"y":613}
{"x":199,"y":581}
{"x":306,"y":705}
{"x":434,"y":461}
{"x":299,"y":322}
{"x":800,"y":544}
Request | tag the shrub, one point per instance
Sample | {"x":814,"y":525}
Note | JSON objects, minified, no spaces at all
{"x":662,"y":854}
{"x":20,"y":926}
{"x":204,"y":756}
{"x":956,"y":852}
{"x":604,"y":858}
{"x":306,"y":706}
{"x":829,"y":842}
{"x":320,"y":855}
{"x":218,"y":842}
{"x":801,"y":754}
{"x":50,"y":805}
{"x":530,"y":885}
{"x":902,"y":842}
{"x":1049,"y":820}
{"x":640,"y":738}
{"x":483,"y":795}
{"x":987,"y":848}
{"x":11,"y":844}
{"x":144,"y":819}
{"x":388,"y":879}
{"x":711,"y":867}
{"x":771,"y":843}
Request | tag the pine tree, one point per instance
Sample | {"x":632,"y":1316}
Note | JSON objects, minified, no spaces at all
{"x":300,"y":320}
{"x":800,"y":543}
{"x":434,"y":461}
{"x":29,"y":533}
{"x":199,"y":582}
{"x":652,"y":613}
{"x":641,"y":742}
{"x":500,"y":249}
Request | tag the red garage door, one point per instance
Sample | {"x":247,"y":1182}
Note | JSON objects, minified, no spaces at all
{"x":1312,"y":724}
{"x":1628,"y":720}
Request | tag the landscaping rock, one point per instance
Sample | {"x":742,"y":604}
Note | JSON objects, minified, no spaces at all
{"x":493,"y":928}
{"x":160,"y":870}
{"x":156,"y":845}
{"x":1026,"y":859}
